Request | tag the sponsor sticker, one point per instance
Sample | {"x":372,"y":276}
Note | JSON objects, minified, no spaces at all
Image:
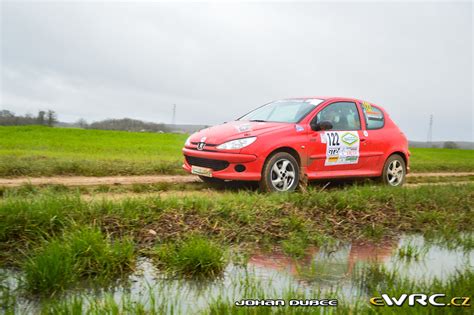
{"x":370,"y":112}
{"x":349,"y":138}
{"x":314,"y":101}
{"x":342,"y":147}
{"x":243,"y":127}
{"x":367,"y":106}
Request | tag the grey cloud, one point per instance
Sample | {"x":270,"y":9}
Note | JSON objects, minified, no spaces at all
{"x":216,"y":62}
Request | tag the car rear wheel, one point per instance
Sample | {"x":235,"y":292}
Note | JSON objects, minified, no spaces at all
{"x":280,"y":173}
{"x":394,"y":171}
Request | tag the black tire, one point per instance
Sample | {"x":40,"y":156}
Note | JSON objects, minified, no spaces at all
{"x":280,"y":173}
{"x":394,"y":171}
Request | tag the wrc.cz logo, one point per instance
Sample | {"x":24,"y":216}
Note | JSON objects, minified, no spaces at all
{"x":420,"y":299}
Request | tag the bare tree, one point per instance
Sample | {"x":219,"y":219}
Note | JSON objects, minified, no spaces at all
{"x":450,"y":145}
{"x":82,"y":123}
{"x":6,"y":114}
{"x":8,"y":118}
{"x":40,"y":119}
{"x":51,"y":118}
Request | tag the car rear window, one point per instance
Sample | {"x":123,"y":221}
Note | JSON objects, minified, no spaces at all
{"x":374,"y":118}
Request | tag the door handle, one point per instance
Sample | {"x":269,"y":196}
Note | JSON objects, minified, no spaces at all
{"x":362,"y":139}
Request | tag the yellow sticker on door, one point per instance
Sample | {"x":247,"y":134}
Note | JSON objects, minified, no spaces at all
{"x":342,"y":147}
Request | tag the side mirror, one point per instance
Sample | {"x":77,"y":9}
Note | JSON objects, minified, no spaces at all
{"x":324,"y":125}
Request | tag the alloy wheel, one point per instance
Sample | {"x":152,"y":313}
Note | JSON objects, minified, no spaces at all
{"x":282,"y":174}
{"x":395,"y":173}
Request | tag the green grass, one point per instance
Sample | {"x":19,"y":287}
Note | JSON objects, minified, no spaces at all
{"x":194,"y":257}
{"x":243,"y":217}
{"x":454,"y":240}
{"x":373,"y":281}
{"x":410,"y":252}
{"x":84,"y":253}
{"x":441,"y":160}
{"x":8,"y":298}
{"x":50,"y":269}
{"x":44,"y":151}
{"x":79,"y":305}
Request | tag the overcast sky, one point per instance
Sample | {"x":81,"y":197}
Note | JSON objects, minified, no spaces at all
{"x":217,"y":61}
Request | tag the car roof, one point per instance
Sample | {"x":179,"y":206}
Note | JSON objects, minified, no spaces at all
{"x":329,"y":98}
{"x":324,"y":98}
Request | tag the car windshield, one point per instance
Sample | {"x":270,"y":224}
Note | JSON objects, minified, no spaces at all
{"x":287,"y":111}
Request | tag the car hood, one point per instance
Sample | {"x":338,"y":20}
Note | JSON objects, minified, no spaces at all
{"x":235,"y":130}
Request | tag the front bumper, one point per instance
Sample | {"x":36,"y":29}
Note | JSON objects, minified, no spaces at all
{"x":253,"y":165}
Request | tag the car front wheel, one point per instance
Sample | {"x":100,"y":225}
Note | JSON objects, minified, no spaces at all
{"x":394,"y":171}
{"x":280,"y":173}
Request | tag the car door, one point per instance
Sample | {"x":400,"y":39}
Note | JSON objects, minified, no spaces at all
{"x":376,"y":137}
{"x":338,"y":151}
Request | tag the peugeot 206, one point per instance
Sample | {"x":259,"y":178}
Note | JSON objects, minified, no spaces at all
{"x":284,"y":141}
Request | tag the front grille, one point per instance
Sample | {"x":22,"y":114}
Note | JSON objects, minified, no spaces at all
{"x":207,"y":144}
{"x":216,"y":165}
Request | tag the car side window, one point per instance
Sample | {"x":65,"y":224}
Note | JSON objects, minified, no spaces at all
{"x":374,"y":118}
{"x":342,"y":115}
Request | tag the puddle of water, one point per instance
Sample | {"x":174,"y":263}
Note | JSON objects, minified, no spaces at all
{"x":436,"y":261}
{"x":320,"y":273}
{"x":433,"y":260}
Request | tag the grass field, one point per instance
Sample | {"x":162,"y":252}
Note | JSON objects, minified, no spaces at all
{"x":60,"y":242}
{"x":294,"y":220}
{"x":43,"y":151}
{"x":440,"y":160}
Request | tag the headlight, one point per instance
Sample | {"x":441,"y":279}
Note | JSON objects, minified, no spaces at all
{"x":188,"y":142}
{"x":237,"y":144}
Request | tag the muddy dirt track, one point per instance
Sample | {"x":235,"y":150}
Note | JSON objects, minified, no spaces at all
{"x":205,"y":192}
{"x":130,"y":180}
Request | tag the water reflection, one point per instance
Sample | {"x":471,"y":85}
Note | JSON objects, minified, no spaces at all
{"x":333,"y":263}
{"x":319,"y":273}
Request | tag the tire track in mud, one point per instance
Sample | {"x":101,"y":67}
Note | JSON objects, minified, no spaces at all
{"x":148,"y":179}
{"x":97,"y":181}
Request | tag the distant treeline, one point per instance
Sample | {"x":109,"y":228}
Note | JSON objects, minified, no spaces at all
{"x":125,"y":124}
{"x":44,"y":117}
{"x":466,"y":145}
{"x":49,"y":118}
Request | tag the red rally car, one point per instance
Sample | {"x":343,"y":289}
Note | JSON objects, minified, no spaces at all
{"x":283,"y":141}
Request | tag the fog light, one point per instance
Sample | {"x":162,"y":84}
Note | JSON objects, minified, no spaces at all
{"x":239,"y":168}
